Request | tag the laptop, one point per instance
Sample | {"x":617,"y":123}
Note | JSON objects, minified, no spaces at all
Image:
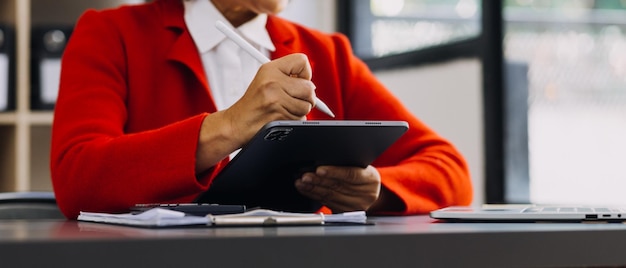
{"x":530,"y":213}
{"x":263,"y":173}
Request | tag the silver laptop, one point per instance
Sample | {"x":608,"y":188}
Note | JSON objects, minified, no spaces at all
{"x":530,"y":213}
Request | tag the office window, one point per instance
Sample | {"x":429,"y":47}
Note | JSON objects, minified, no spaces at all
{"x":386,"y":27}
{"x":426,"y":32}
{"x":574,"y":53}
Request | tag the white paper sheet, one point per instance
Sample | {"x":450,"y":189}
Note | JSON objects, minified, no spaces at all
{"x":156,"y":217}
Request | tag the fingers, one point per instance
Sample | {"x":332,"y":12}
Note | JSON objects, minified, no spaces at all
{"x":286,"y":100}
{"x":288,"y":85}
{"x":301,"y":95}
{"x":295,"y":65}
{"x":341,"y":188}
{"x":327,"y":196}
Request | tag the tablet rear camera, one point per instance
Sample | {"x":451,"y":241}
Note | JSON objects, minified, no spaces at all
{"x":278,"y":134}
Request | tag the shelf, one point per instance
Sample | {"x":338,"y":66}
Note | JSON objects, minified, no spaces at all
{"x":40,"y":118}
{"x":33,"y":118}
{"x":25,"y":134}
{"x":8,"y":118}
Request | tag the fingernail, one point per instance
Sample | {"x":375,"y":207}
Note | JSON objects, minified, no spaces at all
{"x":321,"y":171}
{"x":307,"y":179}
{"x":302,"y":185}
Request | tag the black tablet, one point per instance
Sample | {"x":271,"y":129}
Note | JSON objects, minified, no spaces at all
{"x":262,"y":174}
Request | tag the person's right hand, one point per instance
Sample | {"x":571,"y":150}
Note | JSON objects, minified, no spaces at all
{"x":281,"y":90}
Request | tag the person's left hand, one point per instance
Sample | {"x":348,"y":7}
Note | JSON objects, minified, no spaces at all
{"x":341,"y":189}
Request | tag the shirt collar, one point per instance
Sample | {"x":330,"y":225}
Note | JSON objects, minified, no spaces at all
{"x":200,"y":17}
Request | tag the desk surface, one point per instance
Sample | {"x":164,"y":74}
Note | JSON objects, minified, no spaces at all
{"x":416,"y":241}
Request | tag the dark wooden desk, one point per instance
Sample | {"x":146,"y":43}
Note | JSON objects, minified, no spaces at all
{"x":393,"y":242}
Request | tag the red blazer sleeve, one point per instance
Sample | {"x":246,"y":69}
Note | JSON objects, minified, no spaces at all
{"x":123,"y":131}
{"x":424,"y":170}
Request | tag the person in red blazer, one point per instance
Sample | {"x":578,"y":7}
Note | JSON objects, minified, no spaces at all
{"x":135,"y":121}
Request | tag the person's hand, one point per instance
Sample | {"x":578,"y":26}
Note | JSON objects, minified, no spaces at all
{"x":281,"y":90}
{"x":341,"y":189}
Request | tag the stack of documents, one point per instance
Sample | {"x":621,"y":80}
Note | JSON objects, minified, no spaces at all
{"x":346,"y":217}
{"x":270,"y":217}
{"x":156,"y":217}
{"x":160,"y":217}
{"x":267,"y":217}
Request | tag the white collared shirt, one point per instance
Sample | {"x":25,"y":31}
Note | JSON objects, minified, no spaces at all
{"x":228,"y":68}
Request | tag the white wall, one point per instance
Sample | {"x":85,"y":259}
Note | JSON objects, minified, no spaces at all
{"x":319,"y":14}
{"x":447,"y":96}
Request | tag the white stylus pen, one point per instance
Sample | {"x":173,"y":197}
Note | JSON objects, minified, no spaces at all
{"x":232,"y":35}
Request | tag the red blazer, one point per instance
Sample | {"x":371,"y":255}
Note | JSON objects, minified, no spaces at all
{"x":133,"y":94}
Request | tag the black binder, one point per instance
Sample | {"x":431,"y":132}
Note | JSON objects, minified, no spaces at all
{"x":47,"y":46}
{"x":7,"y":68}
